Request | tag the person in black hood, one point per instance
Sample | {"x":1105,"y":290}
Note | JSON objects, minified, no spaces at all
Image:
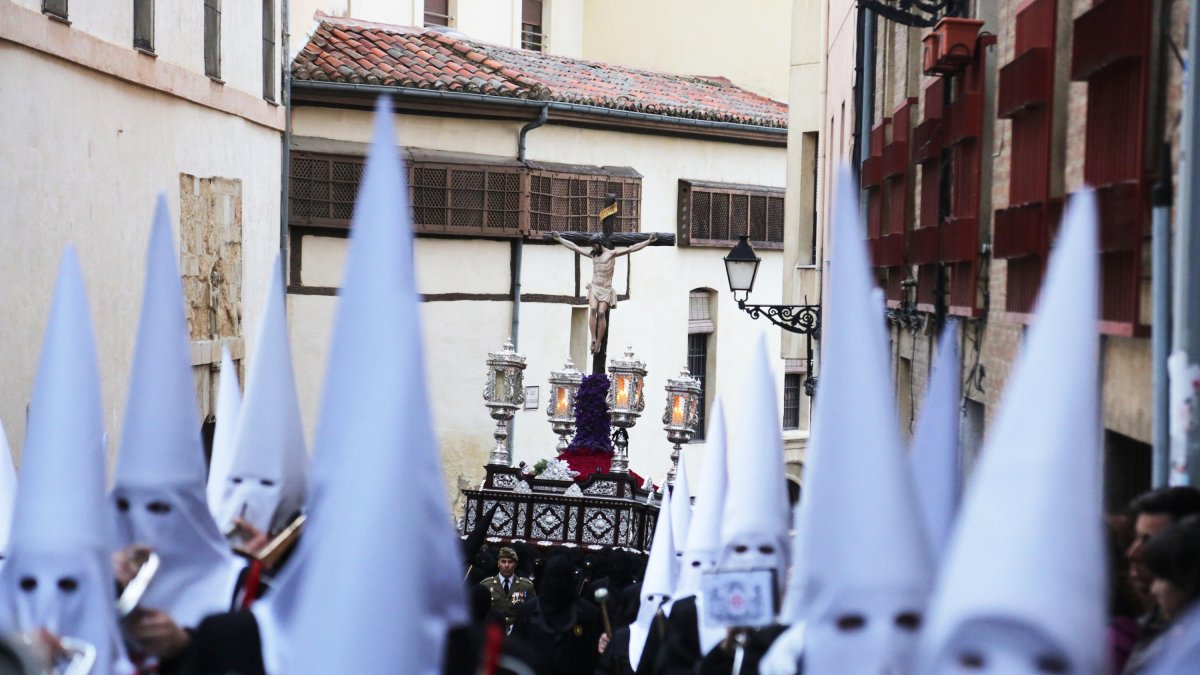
{"x":558,"y":623}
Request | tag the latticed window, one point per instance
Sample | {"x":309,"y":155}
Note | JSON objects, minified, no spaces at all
{"x":565,"y":202}
{"x":467,"y":198}
{"x":449,"y":198}
{"x":716,"y":214}
{"x":322,"y":188}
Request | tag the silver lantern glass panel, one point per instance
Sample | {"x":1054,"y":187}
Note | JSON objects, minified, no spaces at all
{"x":561,"y":408}
{"x":503,"y":394}
{"x":626,"y":375}
{"x":681,"y":416}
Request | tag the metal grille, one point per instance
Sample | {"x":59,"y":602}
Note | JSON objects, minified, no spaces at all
{"x":571,"y":203}
{"x":791,"y":401}
{"x":697,"y":362}
{"x":710,"y":215}
{"x":720,"y":217}
{"x":775,"y":220}
{"x":464,"y":199}
{"x":758,"y":218}
{"x":429,"y":196}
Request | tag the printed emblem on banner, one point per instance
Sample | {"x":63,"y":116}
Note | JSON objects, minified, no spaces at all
{"x":744,"y":598}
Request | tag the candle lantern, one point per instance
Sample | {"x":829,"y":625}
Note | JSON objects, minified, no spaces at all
{"x":503,"y":394}
{"x":625,"y":403}
{"x":682,"y":415}
{"x":561,"y":408}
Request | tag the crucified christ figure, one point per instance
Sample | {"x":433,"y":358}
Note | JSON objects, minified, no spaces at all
{"x":601,"y":296}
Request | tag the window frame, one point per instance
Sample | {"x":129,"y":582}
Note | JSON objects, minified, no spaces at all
{"x":699,"y":358}
{"x":792,"y":383}
{"x":268,"y":50}
{"x":143,"y":41}
{"x":57,"y":9}
{"x":685,"y":217}
{"x":212,"y":39}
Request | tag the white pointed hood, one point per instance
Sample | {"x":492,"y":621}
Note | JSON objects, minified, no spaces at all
{"x":754,"y":529}
{"x":657,"y":584}
{"x":703,"y":546}
{"x":61,"y":532}
{"x":681,"y":515}
{"x":8,"y":490}
{"x":266,"y":484}
{"x":385,"y":495}
{"x":159,"y":491}
{"x":229,"y":404}
{"x":1023,"y":580}
{"x":862,"y":550}
{"x":933,"y":457}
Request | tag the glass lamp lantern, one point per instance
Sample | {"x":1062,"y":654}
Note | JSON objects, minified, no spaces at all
{"x":561,"y":408}
{"x":625,"y":403}
{"x":503,"y":394}
{"x":682,"y":415}
{"x":741,"y":266}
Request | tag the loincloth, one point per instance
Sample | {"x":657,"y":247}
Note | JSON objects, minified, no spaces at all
{"x":603,"y":294}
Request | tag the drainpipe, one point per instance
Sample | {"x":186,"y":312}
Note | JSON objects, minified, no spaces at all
{"x":1185,"y":334}
{"x":1160,"y":240}
{"x":286,"y":153}
{"x":518,"y":249}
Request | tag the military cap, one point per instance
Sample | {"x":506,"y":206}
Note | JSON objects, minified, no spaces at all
{"x":507,"y":552}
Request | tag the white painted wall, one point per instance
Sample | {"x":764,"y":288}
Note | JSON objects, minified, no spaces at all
{"x":749,"y":42}
{"x":86,"y":155}
{"x":459,"y":334}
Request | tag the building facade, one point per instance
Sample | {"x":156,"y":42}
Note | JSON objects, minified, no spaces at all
{"x":971,"y":135}
{"x":695,"y":157}
{"x":109,"y":104}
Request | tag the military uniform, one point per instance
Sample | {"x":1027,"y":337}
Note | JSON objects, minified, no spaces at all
{"x":520,"y":590}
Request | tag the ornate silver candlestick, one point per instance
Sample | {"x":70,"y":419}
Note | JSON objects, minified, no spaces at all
{"x":503,"y":394}
{"x":625,"y":404}
{"x":681,"y":415}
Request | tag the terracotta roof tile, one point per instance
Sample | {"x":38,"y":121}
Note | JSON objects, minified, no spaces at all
{"x":352,"y":51}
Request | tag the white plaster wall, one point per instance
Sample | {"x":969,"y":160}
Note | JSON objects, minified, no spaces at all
{"x":653,"y":320}
{"x":749,"y":42}
{"x":564,"y":26}
{"x":91,"y":180}
{"x":179,"y":34}
{"x":497,"y":21}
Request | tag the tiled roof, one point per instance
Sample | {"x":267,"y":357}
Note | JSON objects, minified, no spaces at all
{"x":360,"y":52}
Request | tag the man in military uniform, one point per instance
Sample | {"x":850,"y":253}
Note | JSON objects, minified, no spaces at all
{"x":508,"y":590}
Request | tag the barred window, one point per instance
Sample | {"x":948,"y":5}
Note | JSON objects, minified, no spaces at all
{"x":448,"y":198}
{"x":792,"y":383}
{"x":566,"y":202}
{"x":716,"y":214}
{"x":476,"y":197}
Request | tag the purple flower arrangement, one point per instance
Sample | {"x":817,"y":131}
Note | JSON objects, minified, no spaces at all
{"x":592,"y":432}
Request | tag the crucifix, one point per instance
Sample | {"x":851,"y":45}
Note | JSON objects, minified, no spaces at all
{"x":604,"y":248}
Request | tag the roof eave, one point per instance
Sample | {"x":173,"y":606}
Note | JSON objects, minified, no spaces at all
{"x":413,"y":100}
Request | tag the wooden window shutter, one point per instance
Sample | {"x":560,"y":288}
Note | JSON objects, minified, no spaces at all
{"x":437,"y":12}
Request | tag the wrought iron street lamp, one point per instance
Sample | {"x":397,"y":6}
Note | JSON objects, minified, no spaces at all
{"x":503,"y":394}
{"x":625,"y":404}
{"x":561,"y":409}
{"x":741,"y":266}
{"x":682,"y":415}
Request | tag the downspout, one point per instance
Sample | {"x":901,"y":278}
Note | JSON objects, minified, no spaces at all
{"x":518,"y":249}
{"x":518,"y":244}
{"x":286,"y":153}
{"x":1162,"y":197}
